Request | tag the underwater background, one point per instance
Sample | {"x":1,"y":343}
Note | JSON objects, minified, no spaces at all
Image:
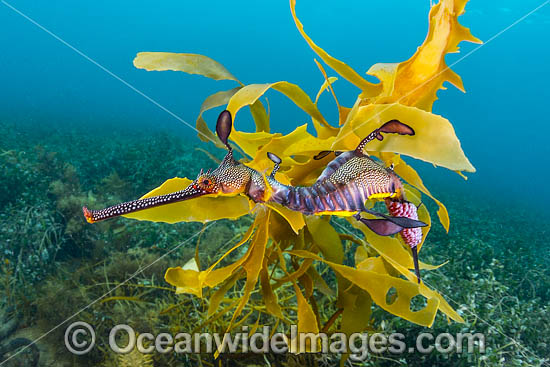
{"x":79,"y":126}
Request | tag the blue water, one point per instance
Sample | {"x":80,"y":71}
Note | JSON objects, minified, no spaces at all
{"x":502,"y":120}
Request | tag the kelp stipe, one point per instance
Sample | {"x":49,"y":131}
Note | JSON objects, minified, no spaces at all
{"x":405,"y":93}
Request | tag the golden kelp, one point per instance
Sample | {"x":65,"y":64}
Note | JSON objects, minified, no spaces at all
{"x":406,"y":92}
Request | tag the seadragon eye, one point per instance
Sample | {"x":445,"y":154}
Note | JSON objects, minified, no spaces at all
{"x":206,"y":183}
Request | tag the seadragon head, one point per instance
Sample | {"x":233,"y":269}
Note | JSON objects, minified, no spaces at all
{"x":229,"y":178}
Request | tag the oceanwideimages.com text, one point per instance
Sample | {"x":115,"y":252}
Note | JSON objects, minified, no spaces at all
{"x":80,"y":339}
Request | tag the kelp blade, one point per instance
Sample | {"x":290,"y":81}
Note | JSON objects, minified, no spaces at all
{"x":369,"y":89}
{"x":378,"y":285}
{"x":416,"y":81}
{"x":189,"y":63}
{"x":434,"y":141}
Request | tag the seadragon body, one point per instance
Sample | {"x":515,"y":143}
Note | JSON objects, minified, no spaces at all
{"x":348,"y":181}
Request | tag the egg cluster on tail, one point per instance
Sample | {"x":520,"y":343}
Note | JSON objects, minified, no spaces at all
{"x":411,"y":236}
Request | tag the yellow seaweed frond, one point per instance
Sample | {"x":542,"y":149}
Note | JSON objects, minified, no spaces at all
{"x":340,"y":67}
{"x":189,"y":63}
{"x":434,"y":141}
{"x":416,"y":81}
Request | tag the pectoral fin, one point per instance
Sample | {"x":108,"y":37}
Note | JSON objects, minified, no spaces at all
{"x":389,"y":225}
{"x":403,"y":222}
{"x":381,"y":227}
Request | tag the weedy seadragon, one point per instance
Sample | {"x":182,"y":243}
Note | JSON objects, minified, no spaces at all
{"x":342,"y":189}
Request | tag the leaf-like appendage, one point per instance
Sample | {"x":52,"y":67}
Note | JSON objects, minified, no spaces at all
{"x":416,"y":81}
{"x":188,"y":63}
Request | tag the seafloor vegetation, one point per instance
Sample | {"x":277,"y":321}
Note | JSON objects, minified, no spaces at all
{"x":54,"y":263}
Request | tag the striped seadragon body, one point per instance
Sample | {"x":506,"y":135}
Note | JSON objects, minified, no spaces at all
{"x":342,"y":189}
